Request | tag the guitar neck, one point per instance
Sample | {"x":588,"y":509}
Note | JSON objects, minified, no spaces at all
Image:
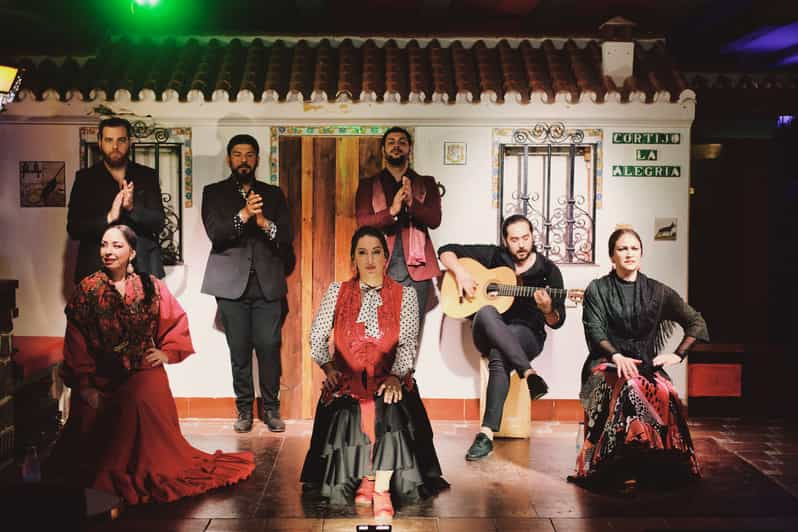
{"x":527,"y":291}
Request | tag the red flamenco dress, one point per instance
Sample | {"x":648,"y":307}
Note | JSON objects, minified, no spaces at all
{"x":132,"y":445}
{"x":355,"y":433}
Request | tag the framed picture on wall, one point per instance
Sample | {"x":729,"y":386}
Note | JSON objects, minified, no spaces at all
{"x":454,"y":153}
{"x":665,"y":229}
{"x":41,"y":184}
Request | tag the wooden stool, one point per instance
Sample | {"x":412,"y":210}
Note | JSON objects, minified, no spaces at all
{"x":517,"y":407}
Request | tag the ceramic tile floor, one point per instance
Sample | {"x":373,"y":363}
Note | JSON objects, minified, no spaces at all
{"x":750,"y":482}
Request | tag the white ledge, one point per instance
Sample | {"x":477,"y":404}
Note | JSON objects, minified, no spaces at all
{"x":97,"y":95}
{"x":440,"y":97}
{"x":195,"y":95}
{"x":170,"y":95}
{"x":464,"y":97}
{"x":51,"y":95}
{"x":245,"y":96}
{"x":220,"y":95}
{"x":147,"y":95}
{"x":270,"y":95}
{"x":122,"y":96}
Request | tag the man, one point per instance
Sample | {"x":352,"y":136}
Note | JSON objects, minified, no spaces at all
{"x":249,"y":227}
{"x":405,"y":205}
{"x":116,"y":190}
{"x":512,"y":340}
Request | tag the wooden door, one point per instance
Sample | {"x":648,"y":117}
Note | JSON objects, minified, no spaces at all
{"x":319,"y":176}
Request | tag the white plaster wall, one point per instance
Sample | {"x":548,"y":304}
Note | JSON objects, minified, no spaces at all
{"x":33,"y":240}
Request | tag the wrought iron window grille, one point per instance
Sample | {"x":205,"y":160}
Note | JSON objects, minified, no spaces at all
{"x":560,"y":198}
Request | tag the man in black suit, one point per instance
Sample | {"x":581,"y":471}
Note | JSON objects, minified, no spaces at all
{"x":250,"y":230}
{"x":116,"y":190}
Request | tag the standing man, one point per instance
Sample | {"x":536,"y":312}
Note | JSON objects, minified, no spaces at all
{"x":510,"y":341}
{"x":116,"y":190}
{"x":405,"y":205}
{"x":249,"y":227}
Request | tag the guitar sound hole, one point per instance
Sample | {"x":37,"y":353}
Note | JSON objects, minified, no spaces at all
{"x":491,"y":290}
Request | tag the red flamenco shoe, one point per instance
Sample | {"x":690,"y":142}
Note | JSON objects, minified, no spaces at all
{"x":383,"y":508}
{"x":365,"y":492}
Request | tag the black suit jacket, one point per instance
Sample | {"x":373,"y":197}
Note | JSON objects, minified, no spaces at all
{"x":233,"y":254}
{"x":89,"y":202}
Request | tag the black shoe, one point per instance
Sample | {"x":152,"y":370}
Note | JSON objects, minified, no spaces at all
{"x":537,"y":386}
{"x":273,"y":421}
{"x":481,"y":448}
{"x":243,"y":423}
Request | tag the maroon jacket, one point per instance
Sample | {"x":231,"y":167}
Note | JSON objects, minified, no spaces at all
{"x":425,"y":214}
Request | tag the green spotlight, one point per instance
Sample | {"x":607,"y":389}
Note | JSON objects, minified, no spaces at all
{"x":145,"y":4}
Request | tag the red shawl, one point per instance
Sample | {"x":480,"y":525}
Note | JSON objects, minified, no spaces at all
{"x":364,"y":361}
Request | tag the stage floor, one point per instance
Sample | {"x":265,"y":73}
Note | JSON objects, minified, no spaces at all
{"x":750,"y":482}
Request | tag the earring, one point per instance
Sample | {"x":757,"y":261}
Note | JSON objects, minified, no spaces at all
{"x":130,"y":267}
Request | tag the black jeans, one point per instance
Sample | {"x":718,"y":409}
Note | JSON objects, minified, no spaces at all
{"x":254,"y":322}
{"x":508,"y":347}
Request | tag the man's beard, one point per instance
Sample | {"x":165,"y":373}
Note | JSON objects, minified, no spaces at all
{"x":115,"y":163}
{"x":519,"y":260}
{"x":396,"y":161}
{"x":244,"y":177}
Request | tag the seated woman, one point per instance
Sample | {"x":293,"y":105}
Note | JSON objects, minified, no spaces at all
{"x":363,"y":433}
{"x":633,"y":413}
{"x":123,"y":435}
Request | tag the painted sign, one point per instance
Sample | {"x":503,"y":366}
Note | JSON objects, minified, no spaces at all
{"x":628,"y":170}
{"x":646,"y":155}
{"x":637,"y":137}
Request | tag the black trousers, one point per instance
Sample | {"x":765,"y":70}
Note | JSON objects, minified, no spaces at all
{"x":508,"y":347}
{"x":253,"y":322}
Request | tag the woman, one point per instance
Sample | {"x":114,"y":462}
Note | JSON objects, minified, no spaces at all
{"x":123,"y":435}
{"x":633,"y":413}
{"x":364,"y":339}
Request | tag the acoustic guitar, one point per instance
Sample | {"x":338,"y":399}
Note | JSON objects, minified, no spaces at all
{"x":497,"y":287}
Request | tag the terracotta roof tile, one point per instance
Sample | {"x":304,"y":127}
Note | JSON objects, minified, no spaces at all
{"x":321,"y":70}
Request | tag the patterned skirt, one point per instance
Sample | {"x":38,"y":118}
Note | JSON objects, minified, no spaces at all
{"x":634,"y":428}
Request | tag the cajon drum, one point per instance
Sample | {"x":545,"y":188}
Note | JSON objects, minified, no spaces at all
{"x":517,"y":407}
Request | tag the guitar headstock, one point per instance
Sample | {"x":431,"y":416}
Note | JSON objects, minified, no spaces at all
{"x":577,"y":295}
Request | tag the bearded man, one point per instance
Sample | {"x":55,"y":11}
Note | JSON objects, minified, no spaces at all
{"x":510,"y":341}
{"x":250,"y":230}
{"x":116,"y":191}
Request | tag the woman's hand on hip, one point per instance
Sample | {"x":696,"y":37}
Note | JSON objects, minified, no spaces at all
{"x":391,"y":390}
{"x":156,"y":357}
{"x":91,"y":396}
{"x":333,"y":379}
{"x":627,"y":366}
{"x":667,"y":359}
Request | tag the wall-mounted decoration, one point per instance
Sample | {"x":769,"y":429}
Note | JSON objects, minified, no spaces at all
{"x":41,"y":184}
{"x":665,"y":229}
{"x":639,"y":137}
{"x":454,"y":153}
{"x":630,"y":170}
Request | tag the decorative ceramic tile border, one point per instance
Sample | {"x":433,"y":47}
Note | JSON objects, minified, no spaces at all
{"x":505,"y":136}
{"x":332,"y":131}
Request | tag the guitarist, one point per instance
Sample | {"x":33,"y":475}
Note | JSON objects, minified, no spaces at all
{"x":511,"y":340}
